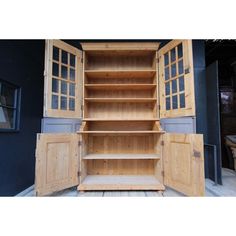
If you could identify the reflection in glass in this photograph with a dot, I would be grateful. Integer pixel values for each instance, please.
(54, 102)
(168, 103)
(63, 103)
(174, 102)
(55, 69)
(64, 72)
(182, 100)
(167, 88)
(174, 86)
(55, 85)
(71, 104)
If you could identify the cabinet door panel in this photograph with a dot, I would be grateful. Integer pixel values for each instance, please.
(62, 80)
(184, 163)
(57, 162)
(176, 79)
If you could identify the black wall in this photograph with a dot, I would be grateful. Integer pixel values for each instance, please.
(21, 63)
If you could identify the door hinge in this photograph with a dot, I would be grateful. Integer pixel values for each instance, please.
(196, 154)
(82, 107)
(187, 70)
(159, 107)
(162, 173)
(157, 59)
(162, 143)
(79, 173)
(82, 60)
(79, 143)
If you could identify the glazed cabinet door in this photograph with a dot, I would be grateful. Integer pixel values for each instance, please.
(176, 79)
(57, 162)
(62, 80)
(184, 163)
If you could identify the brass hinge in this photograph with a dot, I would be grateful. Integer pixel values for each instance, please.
(162, 143)
(79, 173)
(196, 154)
(159, 107)
(79, 143)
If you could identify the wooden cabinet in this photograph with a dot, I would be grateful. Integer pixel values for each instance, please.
(122, 89)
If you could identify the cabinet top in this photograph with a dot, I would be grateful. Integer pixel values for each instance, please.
(148, 46)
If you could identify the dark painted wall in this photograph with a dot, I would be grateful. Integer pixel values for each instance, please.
(21, 63)
(203, 122)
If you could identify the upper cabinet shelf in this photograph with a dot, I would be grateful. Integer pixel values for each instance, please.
(120, 60)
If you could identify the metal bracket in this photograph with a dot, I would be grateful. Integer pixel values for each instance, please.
(196, 154)
(187, 70)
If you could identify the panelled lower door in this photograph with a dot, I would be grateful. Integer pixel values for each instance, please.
(184, 163)
(57, 162)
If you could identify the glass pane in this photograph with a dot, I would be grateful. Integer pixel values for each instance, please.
(55, 69)
(72, 60)
(166, 59)
(54, 102)
(64, 72)
(72, 89)
(173, 70)
(173, 55)
(180, 50)
(55, 85)
(64, 57)
(181, 67)
(182, 100)
(72, 74)
(63, 103)
(174, 102)
(55, 53)
(63, 87)
(7, 97)
(168, 88)
(174, 86)
(6, 118)
(168, 103)
(72, 104)
(167, 74)
(181, 83)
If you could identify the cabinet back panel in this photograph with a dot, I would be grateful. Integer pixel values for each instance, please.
(146, 93)
(120, 126)
(121, 110)
(120, 60)
(120, 167)
(119, 144)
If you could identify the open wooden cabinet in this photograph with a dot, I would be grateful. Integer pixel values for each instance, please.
(120, 91)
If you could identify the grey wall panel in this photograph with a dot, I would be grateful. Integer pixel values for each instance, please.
(179, 125)
(60, 125)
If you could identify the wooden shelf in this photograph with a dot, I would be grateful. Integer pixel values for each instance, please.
(128, 156)
(120, 99)
(98, 74)
(120, 86)
(104, 119)
(120, 182)
(121, 132)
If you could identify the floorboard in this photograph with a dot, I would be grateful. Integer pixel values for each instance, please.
(227, 189)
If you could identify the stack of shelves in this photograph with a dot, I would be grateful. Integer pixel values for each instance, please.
(120, 132)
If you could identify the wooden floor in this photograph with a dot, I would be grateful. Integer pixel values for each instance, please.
(227, 189)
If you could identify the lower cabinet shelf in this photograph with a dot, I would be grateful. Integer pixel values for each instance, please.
(120, 182)
(128, 156)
